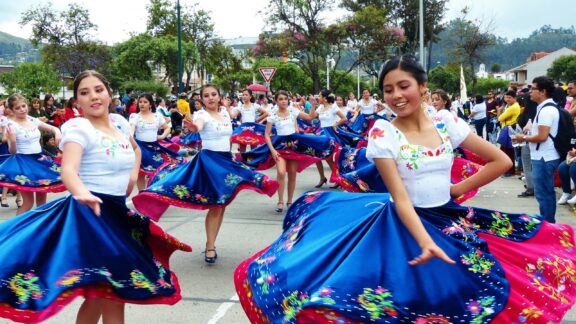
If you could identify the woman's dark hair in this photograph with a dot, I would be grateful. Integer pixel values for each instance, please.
(479, 99)
(70, 102)
(444, 96)
(209, 85)
(159, 100)
(87, 73)
(83, 75)
(281, 93)
(328, 95)
(406, 63)
(511, 93)
(150, 100)
(252, 100)
(46, 98)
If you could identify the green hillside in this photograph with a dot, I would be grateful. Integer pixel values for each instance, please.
(15, 50)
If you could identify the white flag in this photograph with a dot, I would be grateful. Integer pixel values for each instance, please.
(463, 91)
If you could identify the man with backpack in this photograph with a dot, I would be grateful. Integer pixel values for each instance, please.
(544, 142)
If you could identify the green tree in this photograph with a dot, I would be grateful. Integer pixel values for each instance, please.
(197, 32)
(496, 68)
(563, 68)
(446, 78)
(227, 68)
(485, 85)
(140, 86)
(66, 38)
(288, 76)
(31, 79)
(309, 42)
(403, 14)
(471, 39)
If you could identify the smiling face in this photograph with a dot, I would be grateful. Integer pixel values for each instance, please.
(438, 102)
(93, 97)
(402, 92)
(246, 96)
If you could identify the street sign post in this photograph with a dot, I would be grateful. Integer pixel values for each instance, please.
(267, 73)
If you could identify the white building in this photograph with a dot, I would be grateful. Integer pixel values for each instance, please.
(537, 64)
(482, 74)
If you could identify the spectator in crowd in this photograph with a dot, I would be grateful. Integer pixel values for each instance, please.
(543, 154)
(129, 94)
(49, 107)
(38, 111)
(478, 115)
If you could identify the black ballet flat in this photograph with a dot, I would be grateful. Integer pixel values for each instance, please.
(208, 259)
(4, 203)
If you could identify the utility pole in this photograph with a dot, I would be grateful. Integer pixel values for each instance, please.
(180, 87)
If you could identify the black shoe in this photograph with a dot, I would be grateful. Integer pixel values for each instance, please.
(526, 194)
(321, 183)
(279, 207)
(335, 186)
(4, 203)
(208, 259)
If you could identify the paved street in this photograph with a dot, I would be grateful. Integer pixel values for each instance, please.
(250, 224)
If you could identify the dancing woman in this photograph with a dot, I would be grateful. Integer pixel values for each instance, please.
(290, 151)
(145, 125)
(210, 180)
(27, 170)
(88, 244)
(249, 132)
(423, 258)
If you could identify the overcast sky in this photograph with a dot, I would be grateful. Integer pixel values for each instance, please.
(116, 19)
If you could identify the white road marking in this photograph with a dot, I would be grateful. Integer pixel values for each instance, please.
(222, 309)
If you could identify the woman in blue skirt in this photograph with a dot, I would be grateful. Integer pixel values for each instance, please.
(413, 255)
(210, 180)
(88, 244)
(145, 125)
(28, 170)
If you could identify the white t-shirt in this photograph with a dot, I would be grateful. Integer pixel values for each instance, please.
(146, 131)
(215, 134)
(327, 116)
(367, 108)
(480, 110)
(27, 139)
(106, 161)
(547, 116)
(284, 125)
(351, 105)
(425, 171)
(248, 113)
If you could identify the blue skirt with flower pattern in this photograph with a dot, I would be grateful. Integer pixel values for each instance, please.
(345, 256)
(62, 250)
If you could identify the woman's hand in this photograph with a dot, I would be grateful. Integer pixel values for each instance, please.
(335, 128)
(275, 155)
(57, 136)
(429, 251)
(455, 191)
(90, 201)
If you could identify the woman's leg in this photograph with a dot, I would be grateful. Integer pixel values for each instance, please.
(5, 197)
(323, 179)
(40, 198)
(292, 167)
(280, 177)
(213, 222)
(89, 312)
(112, 312)
(564, 174)
(141, 182)
(27, 202)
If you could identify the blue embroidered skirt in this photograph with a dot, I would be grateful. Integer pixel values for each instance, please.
(210, 179)
(343, 258)
(31, 172)
(61, 250)
(153, 156)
